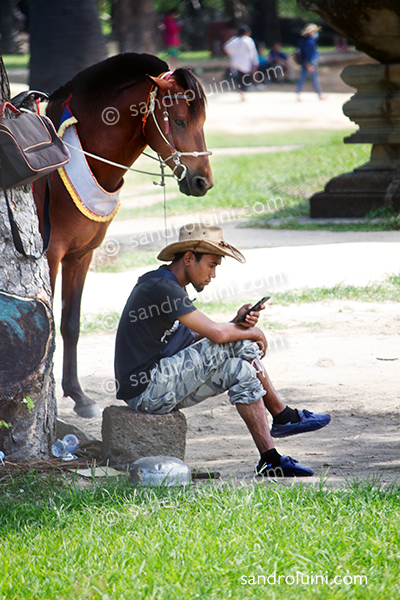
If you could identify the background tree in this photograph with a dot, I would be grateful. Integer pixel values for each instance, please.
(65, 38)
(265, 22)
(27, 390)
(8, 27)
(135, 25)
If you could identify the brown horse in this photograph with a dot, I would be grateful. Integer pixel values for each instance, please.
(174, 131)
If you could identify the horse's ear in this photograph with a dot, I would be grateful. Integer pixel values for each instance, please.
(164, 85)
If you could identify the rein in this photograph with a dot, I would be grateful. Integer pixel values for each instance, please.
(114, 164)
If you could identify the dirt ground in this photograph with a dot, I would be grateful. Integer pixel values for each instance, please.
(339, 357)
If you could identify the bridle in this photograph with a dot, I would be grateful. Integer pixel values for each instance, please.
(175, 155)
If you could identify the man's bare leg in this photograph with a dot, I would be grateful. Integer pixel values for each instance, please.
(271, 400)
(255, 417)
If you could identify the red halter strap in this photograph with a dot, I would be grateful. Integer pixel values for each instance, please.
(67, 102)
(165, 76)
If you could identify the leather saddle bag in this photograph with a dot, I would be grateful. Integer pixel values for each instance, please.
(29, 149)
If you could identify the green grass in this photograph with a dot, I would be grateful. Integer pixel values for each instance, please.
(111, 541)
(264, 182)
(16, 61)
(269, 186)
(124, 261)
(306, 137)
(21, 61)
(102, 322)
(387, 291)
(378, 219)
(188, 56)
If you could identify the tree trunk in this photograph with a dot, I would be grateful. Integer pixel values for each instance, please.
(135, 25)
(237, 11)
(8, 30)
(65, 38)
(265, 22)
(27, 390)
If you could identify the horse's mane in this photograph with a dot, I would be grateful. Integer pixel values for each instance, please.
(190, 83)
(112, 72)
(127, 68)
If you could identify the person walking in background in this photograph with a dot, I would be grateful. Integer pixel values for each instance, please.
(171, 28)
(243, 55)
(308, 51)
(277, 58)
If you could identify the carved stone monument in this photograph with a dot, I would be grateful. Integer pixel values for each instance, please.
(374, 27)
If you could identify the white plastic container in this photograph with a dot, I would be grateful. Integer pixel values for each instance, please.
(163, 471)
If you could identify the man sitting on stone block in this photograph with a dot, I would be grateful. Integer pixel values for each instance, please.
(170, 355)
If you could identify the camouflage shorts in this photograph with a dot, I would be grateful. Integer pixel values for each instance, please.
(202, 370)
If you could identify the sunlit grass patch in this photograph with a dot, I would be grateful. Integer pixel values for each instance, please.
(111, 540)
(16, 61)
(283, 180)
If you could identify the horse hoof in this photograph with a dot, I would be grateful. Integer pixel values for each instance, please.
(87, 411)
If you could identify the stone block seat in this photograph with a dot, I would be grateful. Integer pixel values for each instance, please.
(129, 435)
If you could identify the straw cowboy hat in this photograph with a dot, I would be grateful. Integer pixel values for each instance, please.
(198, 237)
(310, 28)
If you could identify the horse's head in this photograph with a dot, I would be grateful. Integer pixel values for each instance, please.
(174, 129)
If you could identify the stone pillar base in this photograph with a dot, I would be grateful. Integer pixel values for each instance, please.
(355, 194)
(375, 108)
(129, 435)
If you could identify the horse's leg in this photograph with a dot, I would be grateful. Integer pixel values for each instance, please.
(74, 272)
(54, 260)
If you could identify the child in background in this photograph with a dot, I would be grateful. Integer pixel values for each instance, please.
(171, 28)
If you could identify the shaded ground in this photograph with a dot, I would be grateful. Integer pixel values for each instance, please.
(324, 357)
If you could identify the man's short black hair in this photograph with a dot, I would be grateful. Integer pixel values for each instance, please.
(243, 30)
(197, 255)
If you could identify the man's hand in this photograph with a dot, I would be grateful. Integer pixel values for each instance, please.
(309, 67)
(251, 319)
(260, 339)
(221, 333)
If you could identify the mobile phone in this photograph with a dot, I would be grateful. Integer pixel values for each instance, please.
(255, 307)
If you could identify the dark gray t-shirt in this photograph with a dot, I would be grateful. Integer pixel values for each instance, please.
(148, 316)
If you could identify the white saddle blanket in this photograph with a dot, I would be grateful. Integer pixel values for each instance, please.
(91, 199)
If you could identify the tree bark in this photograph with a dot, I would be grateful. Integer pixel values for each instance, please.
(27, 405)
(237, 11)
(65, 38)
(265, 22)
(135, 25)
(8, 30)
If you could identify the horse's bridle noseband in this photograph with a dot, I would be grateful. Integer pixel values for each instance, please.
(175, 154)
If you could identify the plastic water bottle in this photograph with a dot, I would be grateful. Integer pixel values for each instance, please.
(66, 447)
(71, 441)
(59, 449)
(2, 457)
